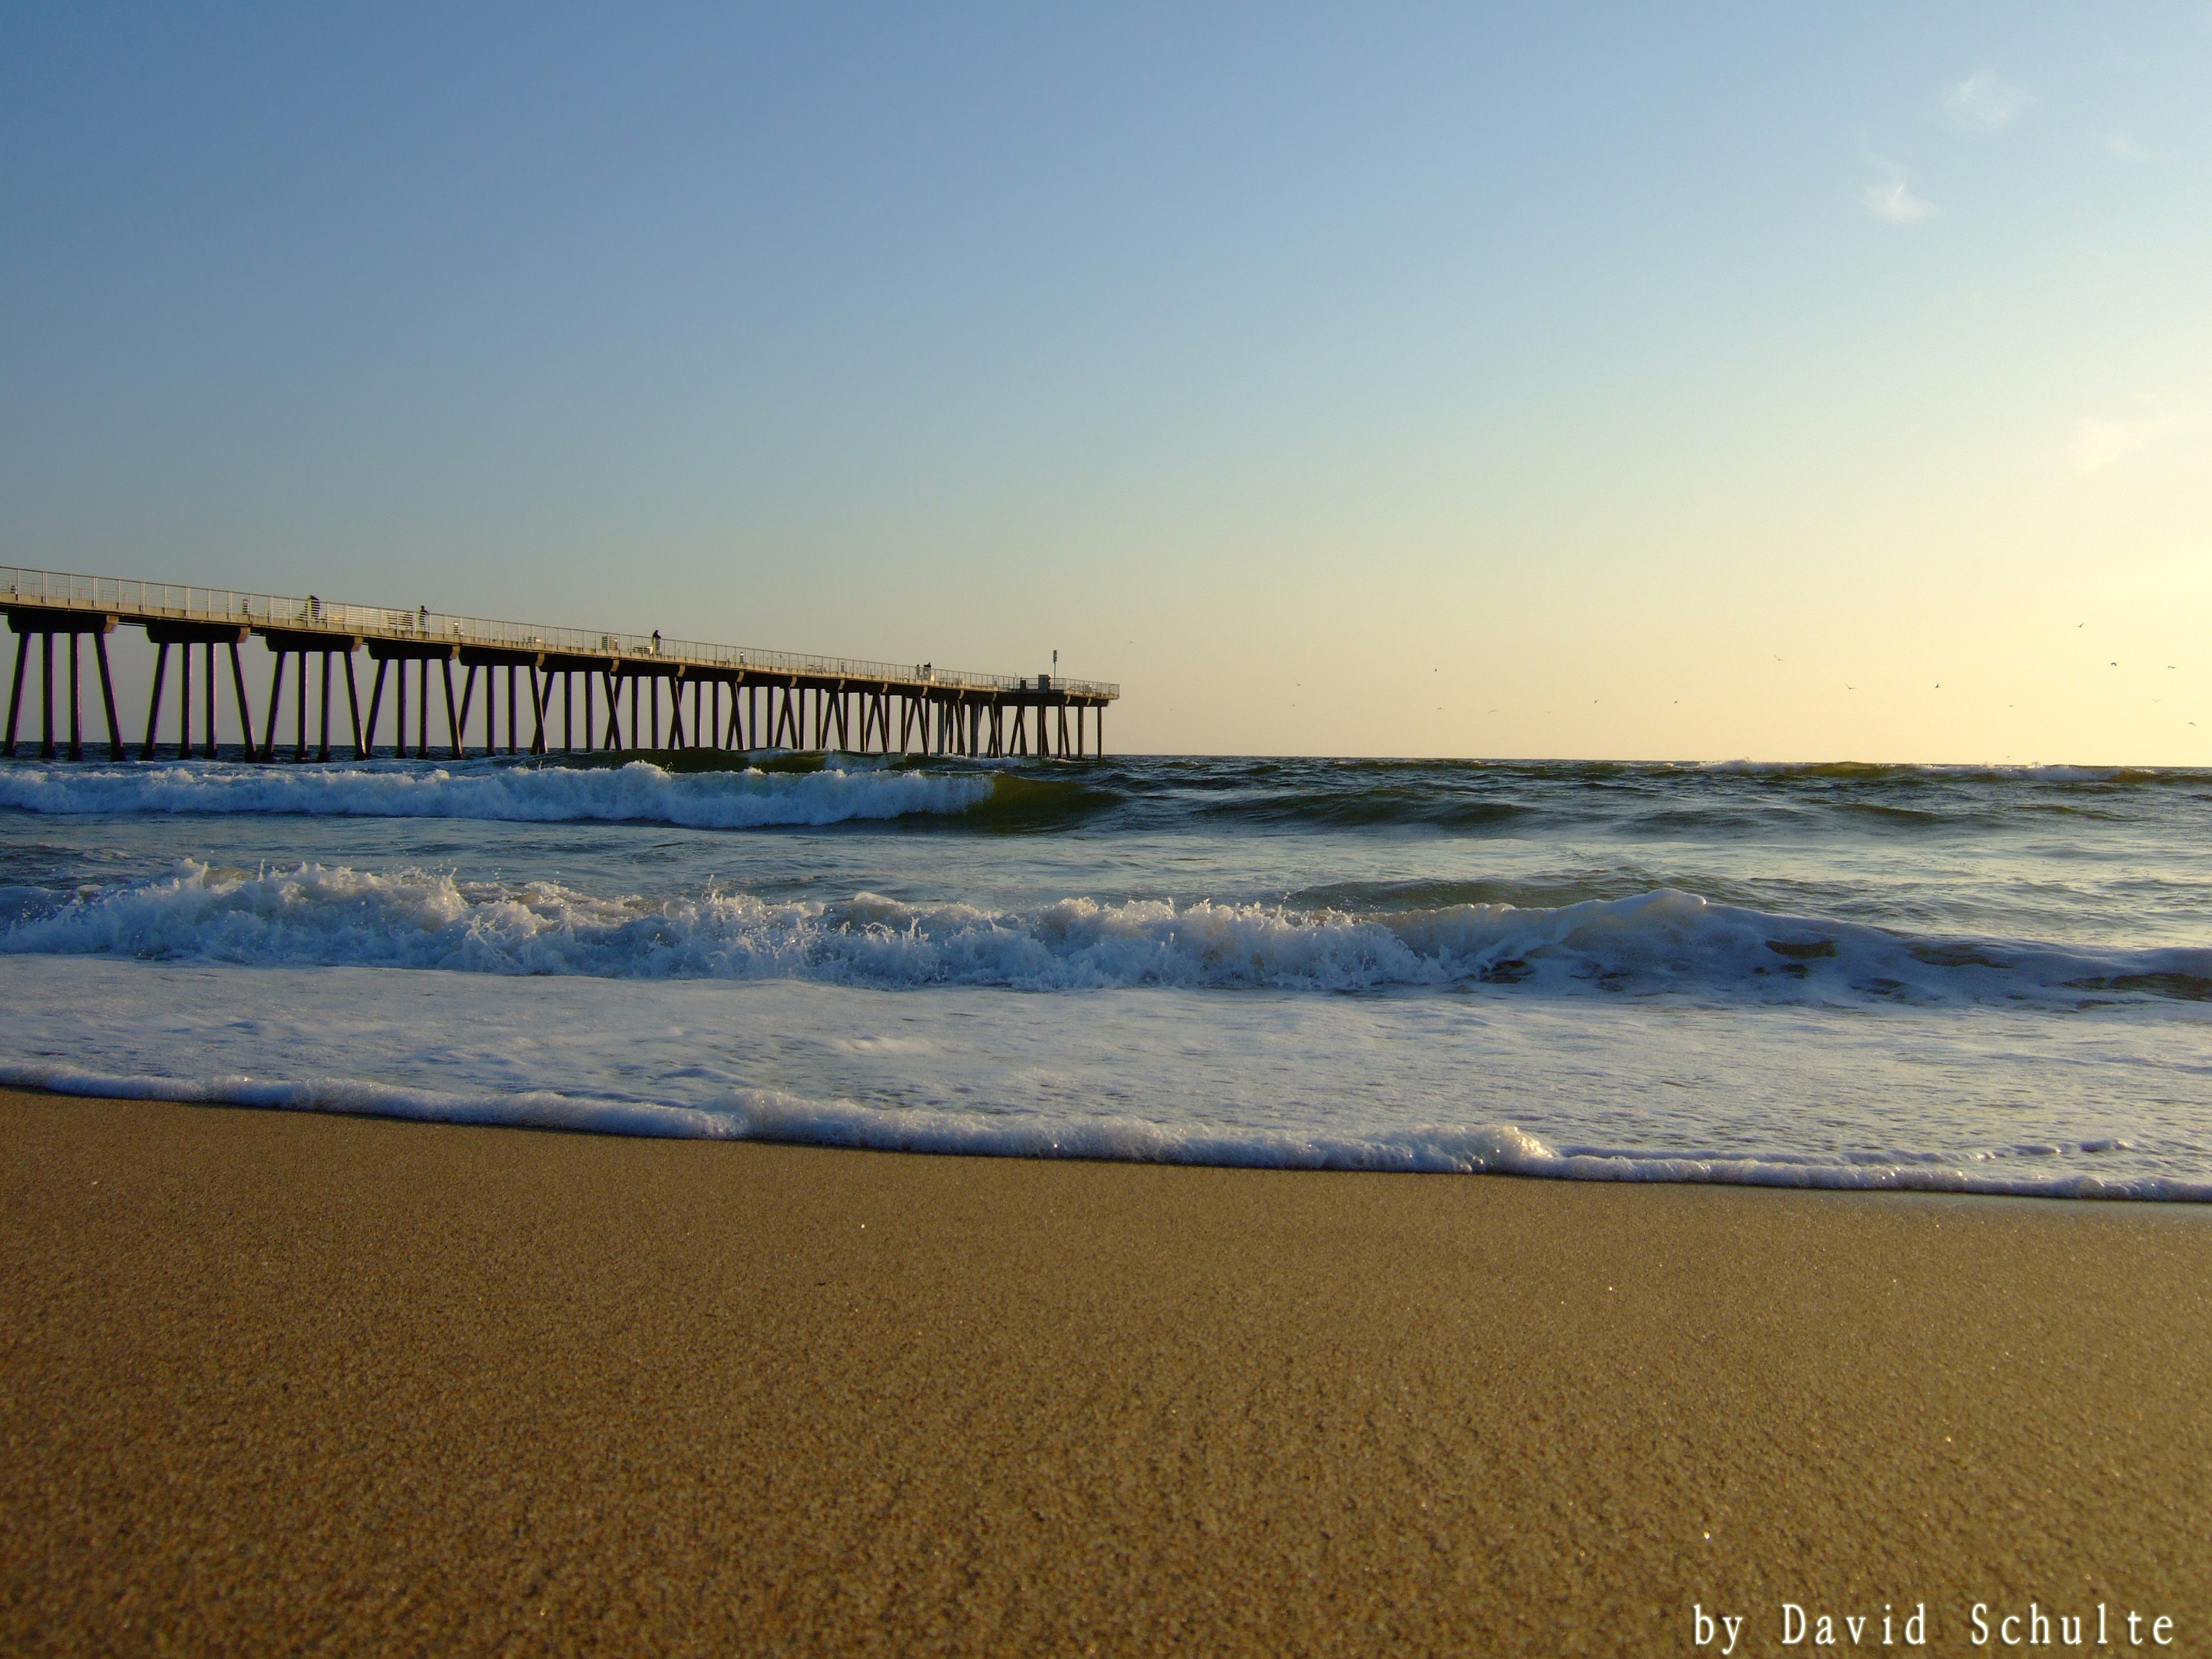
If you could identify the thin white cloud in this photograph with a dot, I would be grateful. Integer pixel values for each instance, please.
(1983, 103)
(1895, 201)
(2127, 149)
(2099, 442)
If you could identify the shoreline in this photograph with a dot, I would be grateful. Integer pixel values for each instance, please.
(294, 1379)
(1497, 1149)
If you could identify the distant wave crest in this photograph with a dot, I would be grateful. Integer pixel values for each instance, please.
(639, 791)
(710, 790)
(1897, 771)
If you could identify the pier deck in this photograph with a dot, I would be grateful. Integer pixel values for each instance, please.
(740, 697)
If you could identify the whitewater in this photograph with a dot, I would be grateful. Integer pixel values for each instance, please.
(1964, 979)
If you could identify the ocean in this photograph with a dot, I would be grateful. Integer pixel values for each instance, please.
(1989, 980)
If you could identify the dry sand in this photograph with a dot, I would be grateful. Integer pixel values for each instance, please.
(283, 1382)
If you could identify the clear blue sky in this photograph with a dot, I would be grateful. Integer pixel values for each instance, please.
(1664, 381)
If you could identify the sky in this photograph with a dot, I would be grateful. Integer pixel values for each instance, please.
(1683, 383)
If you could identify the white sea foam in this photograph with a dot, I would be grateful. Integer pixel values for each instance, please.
(770, 1116)
(639, 791)
(1662, 942)
(2111, 1102)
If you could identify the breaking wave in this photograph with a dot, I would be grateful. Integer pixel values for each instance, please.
(1663, 942)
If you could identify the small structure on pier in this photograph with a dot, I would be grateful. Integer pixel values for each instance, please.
(740, 698)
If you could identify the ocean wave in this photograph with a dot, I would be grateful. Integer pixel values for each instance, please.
(1938, 772)
(1377, 806)
(1431, 1149)
(639, 791)
(710, 789)
(1663, 942)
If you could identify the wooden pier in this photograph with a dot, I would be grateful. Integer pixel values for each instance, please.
(740, 699)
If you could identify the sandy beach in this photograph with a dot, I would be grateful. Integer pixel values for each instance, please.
(288, 1382)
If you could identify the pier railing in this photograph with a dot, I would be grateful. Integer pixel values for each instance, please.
(138, 601)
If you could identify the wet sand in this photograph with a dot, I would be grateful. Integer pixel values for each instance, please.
(281, 1382)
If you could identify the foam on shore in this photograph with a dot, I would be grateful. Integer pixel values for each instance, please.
(770, 1116)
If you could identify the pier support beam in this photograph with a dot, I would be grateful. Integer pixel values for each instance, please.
(400, 654)
(375, 702)
(107, 698)
(277, 699)
(245, 708)
(15, 695)
(468, 698)
(186, 635)
(153, 707)
(353, 702)
(77, 721)
(46, 621)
